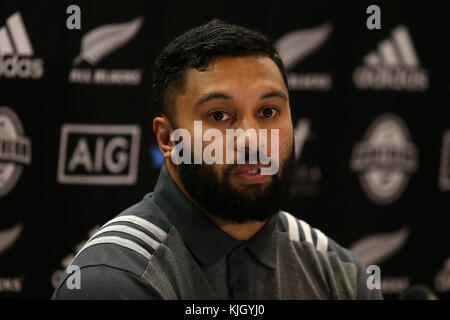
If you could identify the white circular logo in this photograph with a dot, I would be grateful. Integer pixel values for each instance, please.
(15, 150)
(385, 159)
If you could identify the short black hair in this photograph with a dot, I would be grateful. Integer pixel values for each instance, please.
(195, 49)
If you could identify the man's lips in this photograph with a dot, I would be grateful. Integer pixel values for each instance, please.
(251, 173)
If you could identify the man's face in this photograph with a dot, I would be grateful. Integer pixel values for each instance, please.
(237, 93)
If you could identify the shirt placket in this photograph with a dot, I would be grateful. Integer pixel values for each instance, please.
(238, 273)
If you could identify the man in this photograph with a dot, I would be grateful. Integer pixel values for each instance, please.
(215, 230)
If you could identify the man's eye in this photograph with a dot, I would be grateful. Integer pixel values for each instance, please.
(268, 113)
(219, 116)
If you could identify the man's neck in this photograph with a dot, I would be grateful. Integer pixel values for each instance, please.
(238, 231)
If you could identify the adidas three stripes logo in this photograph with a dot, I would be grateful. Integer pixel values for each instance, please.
(14, 38)
(116, 225)
(299, 231)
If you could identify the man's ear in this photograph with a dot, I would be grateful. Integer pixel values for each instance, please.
(163, 129)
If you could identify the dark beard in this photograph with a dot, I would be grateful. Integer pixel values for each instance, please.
(251, 202)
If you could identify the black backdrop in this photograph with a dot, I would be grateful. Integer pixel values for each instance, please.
(369, 109)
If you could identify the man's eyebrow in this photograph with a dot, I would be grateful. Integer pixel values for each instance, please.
(220, 95)
(274, 94)
(210, 96)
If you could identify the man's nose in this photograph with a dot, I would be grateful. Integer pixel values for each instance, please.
(248, 122)
(250, 126)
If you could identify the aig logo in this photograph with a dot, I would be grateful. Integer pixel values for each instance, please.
(98, 154)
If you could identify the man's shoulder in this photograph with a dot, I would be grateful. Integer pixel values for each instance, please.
(132, 236)
(302, 232)
(122, 248)
(334, 261)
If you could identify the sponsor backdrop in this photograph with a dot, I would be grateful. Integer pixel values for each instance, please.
(372, 130)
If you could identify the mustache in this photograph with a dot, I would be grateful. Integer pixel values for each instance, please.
(288, 161)
(248, 153)
(247, 157)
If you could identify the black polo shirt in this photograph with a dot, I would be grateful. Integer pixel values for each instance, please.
(165, 248)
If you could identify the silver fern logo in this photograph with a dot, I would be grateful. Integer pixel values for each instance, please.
(374, 249)
(296, 46)
(99, 43)
(9, 236)
(377, 248)
(308, 175)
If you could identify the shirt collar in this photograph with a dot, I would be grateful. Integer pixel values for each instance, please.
(264, 243)
(202, 236)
